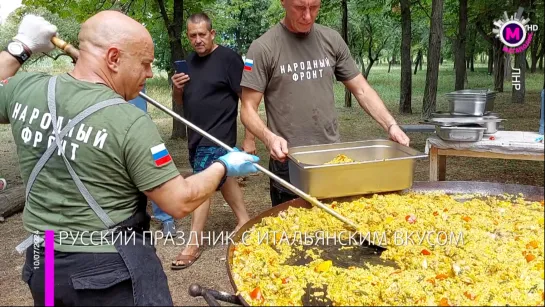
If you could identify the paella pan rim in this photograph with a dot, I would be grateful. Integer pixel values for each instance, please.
(533, 193)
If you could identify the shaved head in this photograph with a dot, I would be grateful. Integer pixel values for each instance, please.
(112, 28)
(118, 50)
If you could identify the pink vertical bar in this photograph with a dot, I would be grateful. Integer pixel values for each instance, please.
(49, 268)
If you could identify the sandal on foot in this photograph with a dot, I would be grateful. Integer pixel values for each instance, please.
(187, 261)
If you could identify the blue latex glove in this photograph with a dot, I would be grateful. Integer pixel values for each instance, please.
(239, 163)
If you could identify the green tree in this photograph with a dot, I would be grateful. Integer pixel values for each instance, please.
(238, 23)
(68, 26)
(434, 52)
(405, 99)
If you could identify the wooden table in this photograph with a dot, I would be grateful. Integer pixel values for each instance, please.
(514, 145)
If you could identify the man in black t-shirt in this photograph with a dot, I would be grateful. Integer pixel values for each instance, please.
(210, 95)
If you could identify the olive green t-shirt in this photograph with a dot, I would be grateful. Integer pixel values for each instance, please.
(110, 151)
(295, 73)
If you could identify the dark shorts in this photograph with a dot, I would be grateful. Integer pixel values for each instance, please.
(81, 279)
(279, 194)
(202, 157)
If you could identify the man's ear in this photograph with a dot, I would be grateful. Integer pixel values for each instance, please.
(113, 56)
(213, 33)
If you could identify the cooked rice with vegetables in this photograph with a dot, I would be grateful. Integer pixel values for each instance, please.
(500, 260)
(339, 159)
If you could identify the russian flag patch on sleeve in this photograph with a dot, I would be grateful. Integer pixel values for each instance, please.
(248, 64)
(160, 155)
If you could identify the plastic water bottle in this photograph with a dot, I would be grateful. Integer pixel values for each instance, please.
(542, 111)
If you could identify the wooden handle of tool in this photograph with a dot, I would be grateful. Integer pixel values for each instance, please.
(66, 47)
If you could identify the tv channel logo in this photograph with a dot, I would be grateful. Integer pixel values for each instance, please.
(515, 33)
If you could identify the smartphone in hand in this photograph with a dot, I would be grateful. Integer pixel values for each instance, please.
(181, 66)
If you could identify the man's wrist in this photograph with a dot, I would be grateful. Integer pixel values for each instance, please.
(177, 89)
(268, 136)
(223, 165)
(249, 137)
(18, 50)
(27, 49)
(390, 126)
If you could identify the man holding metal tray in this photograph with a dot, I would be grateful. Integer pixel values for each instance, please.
(292, 67)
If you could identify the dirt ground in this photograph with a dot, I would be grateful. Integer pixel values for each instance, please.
(210, 271)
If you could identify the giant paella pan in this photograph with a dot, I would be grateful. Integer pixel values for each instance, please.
(439, 243)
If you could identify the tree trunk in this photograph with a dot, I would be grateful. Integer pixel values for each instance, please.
(490, 61)
(418, 61)
(12, 201)
(472, 41)
(461, 62)
(499, 64)
(368, 69)
(507, 66)
(238, 36)
(535, 44)
(344, 4)
(434, 53)
(541, 61)
(174, 29)
(519, 86)
(534, 55)
(406, 76)
(393, 60)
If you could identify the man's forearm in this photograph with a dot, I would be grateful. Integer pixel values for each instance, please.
(248, 135)
(376, 108)
(201, 186)
(253, 123)
(8, 65)
(177, 95)
(181, 196)
(370, 101)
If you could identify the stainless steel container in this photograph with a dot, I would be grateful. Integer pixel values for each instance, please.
(381, 166)
(473, 107)
(460, 134)
(471, 102)
(491, 126)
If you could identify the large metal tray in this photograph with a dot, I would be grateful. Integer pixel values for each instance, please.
(381, 166)
(460, 134)
(455, 121)
(448, 114)
(490, 121)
